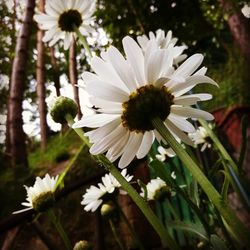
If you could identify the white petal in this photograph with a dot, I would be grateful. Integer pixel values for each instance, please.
(95, 121)
(105, 143)
(147, 141)
(181, 88)
(191, 112)
(122, 68)
(179, 133)
(191, 99)
(130, 149)
(189, 66)
(103, 131)
(106, 72)
(181, 123)
(118, 148)
(106, 91)
(135, 57)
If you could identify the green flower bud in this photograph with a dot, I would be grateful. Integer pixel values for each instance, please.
(108, 210)
(43, 202)
(83, 245)
(61, 107)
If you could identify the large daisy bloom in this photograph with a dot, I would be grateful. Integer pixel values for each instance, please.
(129, 92)
(200, 136)
(61, 17)
(95, 195)
(40, 196)
(157, 189)
(164, 41)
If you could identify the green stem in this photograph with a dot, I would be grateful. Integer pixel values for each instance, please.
(166, 239)
(226, 212)
(219, 146)
(79, 131)
(83, 41)
(60, 229)
(112, 226)
(131, 229)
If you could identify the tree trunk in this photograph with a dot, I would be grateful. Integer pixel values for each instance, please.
(239, 27)
(56, 73)
(40, 78)
(18, 77)
(73, 75)
(13, 41)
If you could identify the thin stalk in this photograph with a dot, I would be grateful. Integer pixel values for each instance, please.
(113, 229)
(131, 229)
(83, 41)
(219, 146)
(79, 131)
(166, 239)
(237, 227)
(60, 229)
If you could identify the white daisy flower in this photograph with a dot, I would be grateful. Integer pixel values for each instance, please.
(164, 152)
(164, 42)
(95, 196)
(61, 17)
(246, 10)
(200, 136)
(40, 196)
(157, 189)
(131, 92)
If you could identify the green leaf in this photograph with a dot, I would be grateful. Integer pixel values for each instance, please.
(238, 187)
(193, 228)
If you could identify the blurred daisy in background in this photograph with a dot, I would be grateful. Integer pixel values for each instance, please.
(200, 136)
(164, 41)
(62, 17)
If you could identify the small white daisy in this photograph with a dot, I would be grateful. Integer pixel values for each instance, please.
(164, 42)
(61, 17)
(164, 152)
(157, 189)
(95, 196)
(40, 196)
(200, 136)
(246, 10)
(130, 92)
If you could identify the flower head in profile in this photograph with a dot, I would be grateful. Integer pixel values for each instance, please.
(129, 92)
(164, 42)
(157, 189)
(41, 195)
(104, 191)
(62, 17)
(200, 136)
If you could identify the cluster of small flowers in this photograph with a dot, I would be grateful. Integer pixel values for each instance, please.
(44, 188)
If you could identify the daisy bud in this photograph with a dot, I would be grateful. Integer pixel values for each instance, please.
(83, 245)
(61, 107)
(108, 210)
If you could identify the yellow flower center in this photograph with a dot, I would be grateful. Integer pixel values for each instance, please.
(70, 19)
(144, 104)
